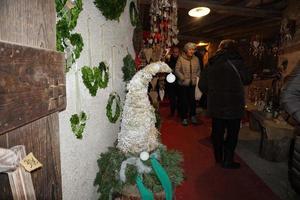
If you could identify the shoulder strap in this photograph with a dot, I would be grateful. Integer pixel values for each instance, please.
(235, 69)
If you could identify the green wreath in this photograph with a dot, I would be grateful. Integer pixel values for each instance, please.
(113, 117)
(66, 23)
(111, 9)
(134, 18)
(78, 124)
(90, 77)
(96, 77)
(129, 68)
(104, 75)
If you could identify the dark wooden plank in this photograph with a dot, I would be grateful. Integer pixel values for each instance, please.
(28, 22)
(291, 48)
(41, 138)
(32, 23)
(258, 27)
(3, 141)
(53, 160)
(5, 191)
(32, 84)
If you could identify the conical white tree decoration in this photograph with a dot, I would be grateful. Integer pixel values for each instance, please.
(138, 131)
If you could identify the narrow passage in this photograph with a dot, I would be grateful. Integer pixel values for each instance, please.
(204, 179)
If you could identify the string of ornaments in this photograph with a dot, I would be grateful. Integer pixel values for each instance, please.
(163, 16)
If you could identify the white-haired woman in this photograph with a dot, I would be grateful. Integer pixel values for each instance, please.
(187, 70)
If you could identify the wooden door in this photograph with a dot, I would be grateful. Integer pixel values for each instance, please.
(32, 90)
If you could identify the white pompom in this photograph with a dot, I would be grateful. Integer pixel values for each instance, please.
(171, 78)
(144, 156)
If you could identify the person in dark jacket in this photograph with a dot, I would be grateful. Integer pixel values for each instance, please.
(223, 81)
(290, 101)
(290, 98)
(172, 88)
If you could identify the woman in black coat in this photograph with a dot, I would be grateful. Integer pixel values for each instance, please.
(290, 101)
(223, 81)
(290, 98)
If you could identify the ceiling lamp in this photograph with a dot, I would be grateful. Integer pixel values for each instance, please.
(199, 12)
(201, 44)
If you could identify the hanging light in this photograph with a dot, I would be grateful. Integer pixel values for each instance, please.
(201, 44)
(199, 12)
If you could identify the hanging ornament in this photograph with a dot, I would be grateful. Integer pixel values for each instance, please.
(171, 78)
(144, 156)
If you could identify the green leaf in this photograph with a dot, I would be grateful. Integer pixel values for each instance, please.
(75, 14)
(66, 23)
(77, 41)
(78, 124)
(128, 69)
(90, 80)
(74, 119)
(111, 9)
(103, 76)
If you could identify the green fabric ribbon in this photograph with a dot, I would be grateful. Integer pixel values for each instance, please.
(144, 192)
(163, 178)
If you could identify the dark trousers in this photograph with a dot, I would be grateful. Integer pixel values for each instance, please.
(187, 103)
(224, 146)
(172, 94)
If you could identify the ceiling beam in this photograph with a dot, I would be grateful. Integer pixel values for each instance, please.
(196, 39)
(201, 24)
(223, 24)
(226, 9)
(258, 27)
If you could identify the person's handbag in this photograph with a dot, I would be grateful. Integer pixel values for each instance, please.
(198, 93)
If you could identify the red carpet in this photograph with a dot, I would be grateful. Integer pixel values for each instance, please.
(204, 179)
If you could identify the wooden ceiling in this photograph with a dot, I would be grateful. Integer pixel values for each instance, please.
(236, 19)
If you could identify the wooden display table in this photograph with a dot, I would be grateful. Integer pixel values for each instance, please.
(276, 136)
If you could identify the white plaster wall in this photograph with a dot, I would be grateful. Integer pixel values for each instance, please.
(103, 41)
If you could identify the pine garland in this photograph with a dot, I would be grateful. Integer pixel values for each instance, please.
(67, 21)
(78, 124)
(129, 68)
(111, 9)
(113, 97)
(109, 163)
